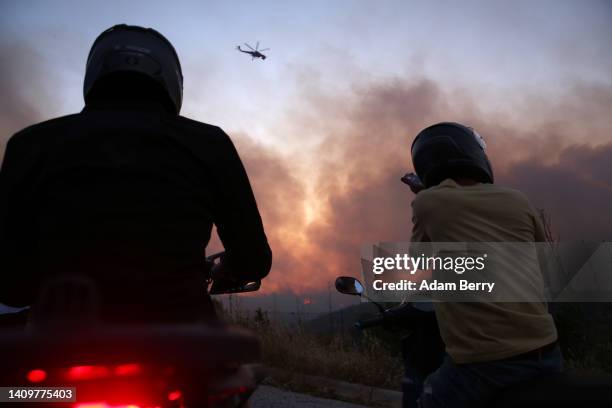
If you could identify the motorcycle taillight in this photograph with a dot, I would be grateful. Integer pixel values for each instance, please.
(93, 372)
(87, 372)
(126, 385)
(105, 405)
(175, 395)
(36, 376)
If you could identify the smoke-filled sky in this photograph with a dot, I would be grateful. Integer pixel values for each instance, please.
(324, 125)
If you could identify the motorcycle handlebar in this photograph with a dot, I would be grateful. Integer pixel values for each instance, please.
(219, 284)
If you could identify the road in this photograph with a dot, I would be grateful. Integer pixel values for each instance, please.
(270, 397)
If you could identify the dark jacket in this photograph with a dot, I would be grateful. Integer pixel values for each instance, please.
(129, 198)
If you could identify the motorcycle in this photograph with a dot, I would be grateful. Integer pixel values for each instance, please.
(423, 351)
(67, 358)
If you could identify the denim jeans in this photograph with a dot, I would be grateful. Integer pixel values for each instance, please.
(475, 384)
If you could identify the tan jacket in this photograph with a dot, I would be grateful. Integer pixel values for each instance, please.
(485, 331)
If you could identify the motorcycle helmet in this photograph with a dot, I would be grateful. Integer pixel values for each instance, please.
(448, 150)
(135, 50)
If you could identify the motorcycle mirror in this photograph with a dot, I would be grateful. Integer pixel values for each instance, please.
(247, 287)
(251, 287)
(349, 286)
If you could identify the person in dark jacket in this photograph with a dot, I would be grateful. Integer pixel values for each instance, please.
(127, 191)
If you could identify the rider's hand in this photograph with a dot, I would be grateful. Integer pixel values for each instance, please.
(222, 280)
(414, 182)
(220, 286)
(219, 283)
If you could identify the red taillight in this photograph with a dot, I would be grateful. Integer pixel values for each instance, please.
(174, 395)
(128, 369)
(94, 372)
(103, 405)
(36, 376)
(89, 372)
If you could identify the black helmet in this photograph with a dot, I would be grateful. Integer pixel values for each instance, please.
(447, 150)
(138, 50)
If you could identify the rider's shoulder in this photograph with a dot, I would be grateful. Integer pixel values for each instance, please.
(515, 198)
(449, 189)
(201, 135)
(200, 127)
(42, 129)
(435, 192)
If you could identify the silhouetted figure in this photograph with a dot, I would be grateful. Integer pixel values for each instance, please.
(127, 192)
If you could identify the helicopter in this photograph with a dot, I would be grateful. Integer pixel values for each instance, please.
(255, 53)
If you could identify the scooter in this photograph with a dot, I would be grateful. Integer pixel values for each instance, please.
(423, 351)
(67, 358)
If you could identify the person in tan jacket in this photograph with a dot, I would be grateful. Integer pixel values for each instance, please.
(489, 345)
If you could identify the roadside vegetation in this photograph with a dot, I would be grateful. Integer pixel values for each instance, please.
(374, 357)
(585, 335)
(292, 349)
